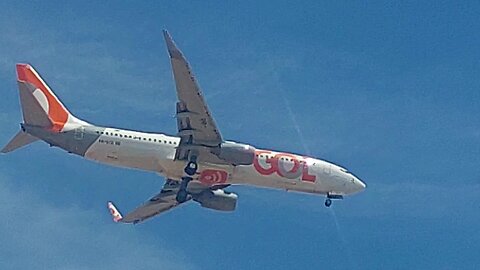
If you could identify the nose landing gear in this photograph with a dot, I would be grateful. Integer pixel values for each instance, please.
(328, 202)
(330, 197)
(190, 170)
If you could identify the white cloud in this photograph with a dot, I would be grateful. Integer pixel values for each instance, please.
(37, 235)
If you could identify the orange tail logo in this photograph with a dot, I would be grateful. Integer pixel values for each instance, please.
(57, 113)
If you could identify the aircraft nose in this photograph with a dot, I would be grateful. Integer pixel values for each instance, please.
(352, 183)
(359, 185)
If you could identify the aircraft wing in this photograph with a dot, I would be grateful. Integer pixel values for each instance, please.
(196, 126)
(158, 204)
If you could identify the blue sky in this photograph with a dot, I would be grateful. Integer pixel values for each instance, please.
(389, 90)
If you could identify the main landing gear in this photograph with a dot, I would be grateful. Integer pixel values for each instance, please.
(190, 170)
(330, 197)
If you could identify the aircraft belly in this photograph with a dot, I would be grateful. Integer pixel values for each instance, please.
(130, 154)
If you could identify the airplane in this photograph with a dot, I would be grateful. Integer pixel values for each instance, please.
(197, 163)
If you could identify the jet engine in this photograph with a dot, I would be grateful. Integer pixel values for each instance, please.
(218, 199)
(236, 153)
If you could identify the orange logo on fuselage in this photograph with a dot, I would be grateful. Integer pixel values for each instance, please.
(213, 177)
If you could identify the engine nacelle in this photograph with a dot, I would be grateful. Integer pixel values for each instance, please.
(217, 199)
(236, 153)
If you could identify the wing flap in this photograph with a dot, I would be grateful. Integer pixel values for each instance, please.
(156, 205)
(162, 202)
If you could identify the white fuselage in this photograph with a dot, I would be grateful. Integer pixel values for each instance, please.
(156, 153)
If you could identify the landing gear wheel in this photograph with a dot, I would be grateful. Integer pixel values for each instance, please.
(182, 191)
(181, 196)
(328, 202)
(191, 168)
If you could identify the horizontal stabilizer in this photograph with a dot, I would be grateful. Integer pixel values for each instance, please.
(21, 139)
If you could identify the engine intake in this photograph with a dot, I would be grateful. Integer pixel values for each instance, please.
(219, 199)
(236, 153)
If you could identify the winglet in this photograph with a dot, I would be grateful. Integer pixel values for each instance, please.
(117, 217)
(172, 48)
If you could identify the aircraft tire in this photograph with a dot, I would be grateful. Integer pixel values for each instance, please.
(181, 196)
(328, 202)
(191, 168)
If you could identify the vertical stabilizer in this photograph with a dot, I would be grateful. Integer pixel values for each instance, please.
(40, 106)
